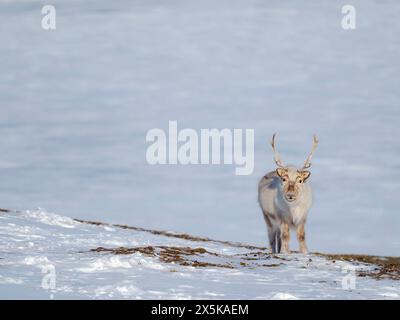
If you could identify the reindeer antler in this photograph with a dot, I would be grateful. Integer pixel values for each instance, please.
(307, 164)
(277, 157)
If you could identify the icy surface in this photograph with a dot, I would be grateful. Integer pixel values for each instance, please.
(35, 242)
(76, 103)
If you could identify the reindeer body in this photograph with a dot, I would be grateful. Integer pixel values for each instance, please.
(281, 215)
(285, 197)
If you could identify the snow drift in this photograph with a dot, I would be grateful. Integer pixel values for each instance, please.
(48, 256)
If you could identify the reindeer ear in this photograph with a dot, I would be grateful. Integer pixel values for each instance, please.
(305, 174)
(280, 172)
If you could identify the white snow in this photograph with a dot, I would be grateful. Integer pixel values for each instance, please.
(33, 243)
(283, 296)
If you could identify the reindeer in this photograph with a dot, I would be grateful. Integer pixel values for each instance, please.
(285, 198)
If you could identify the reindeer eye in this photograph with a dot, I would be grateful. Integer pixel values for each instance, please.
(300, 181)
(284, 179)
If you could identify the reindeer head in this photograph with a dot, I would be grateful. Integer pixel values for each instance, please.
(292, 178)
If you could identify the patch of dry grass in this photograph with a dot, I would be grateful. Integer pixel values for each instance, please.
(184, 236)
(386, 267)
(184, 256)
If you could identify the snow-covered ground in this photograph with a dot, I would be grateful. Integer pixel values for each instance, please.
(76, 103)
(39, 247)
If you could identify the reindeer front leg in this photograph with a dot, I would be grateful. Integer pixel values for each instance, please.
(285, 237)
(301, 237)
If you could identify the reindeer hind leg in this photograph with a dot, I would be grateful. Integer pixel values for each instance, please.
(278, 240)
(272, 239)
(272, 232)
